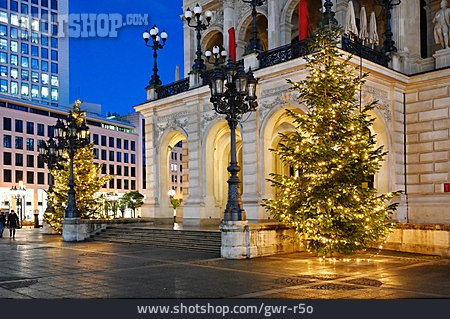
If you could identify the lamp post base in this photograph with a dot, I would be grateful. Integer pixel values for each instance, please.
(73, 230)
(235, 239)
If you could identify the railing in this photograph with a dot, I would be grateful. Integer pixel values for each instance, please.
(282, 54)
(279, 55)
(357, 48)
(173, 88)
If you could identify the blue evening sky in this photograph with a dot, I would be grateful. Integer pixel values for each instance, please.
(114, 71)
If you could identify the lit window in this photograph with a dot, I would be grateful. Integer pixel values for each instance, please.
(15, 19)
(34, 91)
(25, 91)
(25, 75)
(55, 80)
(45, 78)
(3, 44)
(14, 60)
(3, 30)
(55, 96)
(3, 17)
(14, 87)
(44, 92)
(3, 70)
(24, 22)
(14, 46)
(35, 77)
(34, 25)
(34, 37)
(14, 73)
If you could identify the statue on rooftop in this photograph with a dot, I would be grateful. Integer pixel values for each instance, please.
(442, 25)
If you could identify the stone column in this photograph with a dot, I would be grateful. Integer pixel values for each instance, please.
(228, 21)
(341, 11)
(407, 37)
(273, 24)
(251, 194)
(151, 204)
(194, 208)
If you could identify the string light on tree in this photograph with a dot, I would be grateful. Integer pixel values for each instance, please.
(334, 156)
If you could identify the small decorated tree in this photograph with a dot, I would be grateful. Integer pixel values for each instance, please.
(87, 182)
(333, 155)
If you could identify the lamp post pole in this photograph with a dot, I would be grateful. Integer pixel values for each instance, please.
(233, 93)
(71, 136)
(158, 43)
(254, 45)
(199, 26)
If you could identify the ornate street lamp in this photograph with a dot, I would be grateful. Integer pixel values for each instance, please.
(199, 26)
(233, 93)
(328, 15)
(51, 155)
(71, 137)
(19, 194)
(254, 45)
(388, 44)
(158, 42)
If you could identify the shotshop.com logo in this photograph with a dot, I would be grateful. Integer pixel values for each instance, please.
(77, 25)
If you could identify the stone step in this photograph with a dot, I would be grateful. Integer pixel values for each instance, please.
(206, 248)
(164, 235)
(208, 241)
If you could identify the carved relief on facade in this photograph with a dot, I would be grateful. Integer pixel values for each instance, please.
(217, 18)
(279, 96)
(207, 118)
(371, 94)
(175, 121)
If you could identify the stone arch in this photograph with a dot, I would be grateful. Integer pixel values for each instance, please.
(245, 27)
(217, 157)
(383, 181)
(167, 141)
(276, 122)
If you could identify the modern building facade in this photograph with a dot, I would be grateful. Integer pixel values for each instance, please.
(117, 146)
(34, 61)
(411, 83)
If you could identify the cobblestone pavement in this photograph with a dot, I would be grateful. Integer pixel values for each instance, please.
(42, 266)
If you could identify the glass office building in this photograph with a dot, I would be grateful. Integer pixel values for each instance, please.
(34, 61)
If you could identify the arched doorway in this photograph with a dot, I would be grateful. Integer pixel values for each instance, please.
(174, 174)
(217, 159)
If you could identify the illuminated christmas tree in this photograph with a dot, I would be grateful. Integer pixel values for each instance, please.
(332, 156)
(87, 182)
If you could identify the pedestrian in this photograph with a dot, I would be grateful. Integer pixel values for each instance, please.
(2, 223)
(13, 223)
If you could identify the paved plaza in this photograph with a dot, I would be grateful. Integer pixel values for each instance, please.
(42, 266)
